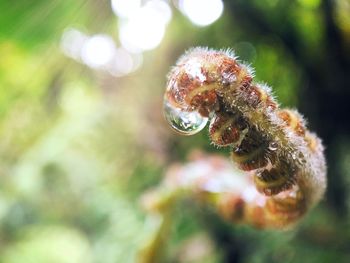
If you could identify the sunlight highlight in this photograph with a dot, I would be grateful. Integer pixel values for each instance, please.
(125, 8)
(202, 13)
(98, 50)
(72, 42)
(145, 29)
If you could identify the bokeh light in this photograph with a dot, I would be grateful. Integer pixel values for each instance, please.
(138, 34)
(145, 29)
(125, 8)
(160, 9)
(202, 13)
(98, 50)
(72, 42)
(122, 63)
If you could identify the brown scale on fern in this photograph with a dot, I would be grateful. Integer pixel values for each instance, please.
(278, 178)
(293, 121)
(283, 162)
(227, 129)
(252, 153)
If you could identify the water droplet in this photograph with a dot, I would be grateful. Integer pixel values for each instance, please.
(178, 93)
(182, 121)
(273, 146)
(270, 108)
(228, 78)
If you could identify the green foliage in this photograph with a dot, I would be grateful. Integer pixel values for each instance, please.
(78, 147)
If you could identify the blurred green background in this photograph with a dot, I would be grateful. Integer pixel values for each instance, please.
(82, 134)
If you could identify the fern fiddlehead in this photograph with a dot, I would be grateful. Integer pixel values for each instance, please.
(285, 161)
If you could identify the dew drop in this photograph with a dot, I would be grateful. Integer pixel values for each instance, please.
(228, 78)
(273, 146)
(182, 121)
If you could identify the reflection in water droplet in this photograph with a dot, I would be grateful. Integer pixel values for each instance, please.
(273, 146)
(184, 122)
